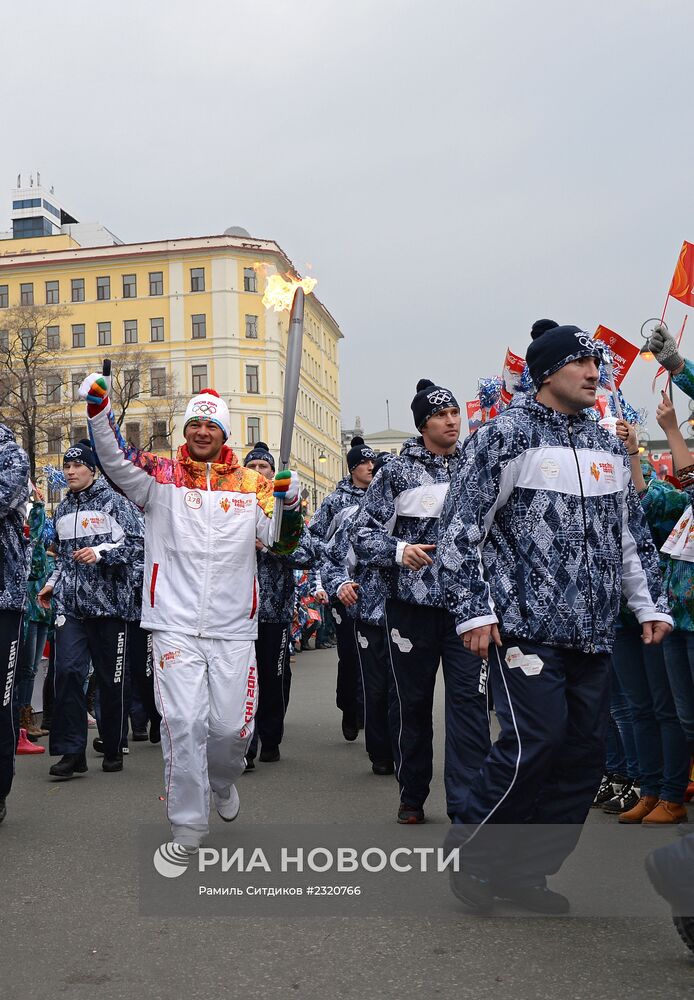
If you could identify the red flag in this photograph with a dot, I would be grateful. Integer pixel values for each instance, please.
(682, 284)
(661, 462)
(601, 406)
(513, 368)
(624, 354)
(476, 416)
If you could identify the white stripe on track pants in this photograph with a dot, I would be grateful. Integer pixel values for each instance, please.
(206, 692)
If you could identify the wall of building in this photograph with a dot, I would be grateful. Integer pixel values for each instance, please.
(225, 350)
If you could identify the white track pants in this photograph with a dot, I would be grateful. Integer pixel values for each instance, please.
(206, 692)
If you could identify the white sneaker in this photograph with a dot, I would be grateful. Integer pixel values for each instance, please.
(228, 809)
(187, 848)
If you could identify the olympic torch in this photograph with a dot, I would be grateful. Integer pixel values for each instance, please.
(292, 374)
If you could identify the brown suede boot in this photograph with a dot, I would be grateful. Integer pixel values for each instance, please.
(39, 730)
(643, 807)
(666, 812)
(26, 721)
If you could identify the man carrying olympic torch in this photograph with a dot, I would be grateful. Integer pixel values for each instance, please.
(203, 514)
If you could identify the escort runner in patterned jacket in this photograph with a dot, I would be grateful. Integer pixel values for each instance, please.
(277, 587)
(541, 530)
(337, 508)
(404, 508)
(104, 520)
(203, 514)
(396, 531)
(14, 566)
(339, 569)
(342, 503)
(98, 540)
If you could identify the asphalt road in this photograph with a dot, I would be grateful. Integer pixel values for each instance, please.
(71, 923)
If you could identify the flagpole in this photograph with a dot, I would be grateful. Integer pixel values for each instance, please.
(662, 320)
(667, 299)
(609, 368)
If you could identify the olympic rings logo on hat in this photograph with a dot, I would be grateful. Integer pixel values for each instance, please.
(586, 341)
(203, 406)
(73, 453)
(439, 396)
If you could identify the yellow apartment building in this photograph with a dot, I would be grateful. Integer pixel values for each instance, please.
(176, 316)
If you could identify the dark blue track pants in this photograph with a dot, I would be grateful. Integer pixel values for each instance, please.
(419, 638)
(77, 641)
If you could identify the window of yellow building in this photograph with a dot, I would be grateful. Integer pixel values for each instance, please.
(252, 430)
(199, 321)
(252, 379)
(198, 377)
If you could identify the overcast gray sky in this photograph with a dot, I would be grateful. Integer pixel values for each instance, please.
(452, 170)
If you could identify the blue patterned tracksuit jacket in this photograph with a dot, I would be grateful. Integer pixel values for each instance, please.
(276, 581)
(342, 503)
(543, 528)
(102, 519)
(402, 507)
(340, 565)
(14, 549)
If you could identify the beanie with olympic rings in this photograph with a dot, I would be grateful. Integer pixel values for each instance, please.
(208, 405)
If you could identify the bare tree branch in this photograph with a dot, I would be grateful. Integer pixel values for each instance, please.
(32, 376)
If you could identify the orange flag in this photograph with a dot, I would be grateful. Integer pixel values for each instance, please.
(682, 284)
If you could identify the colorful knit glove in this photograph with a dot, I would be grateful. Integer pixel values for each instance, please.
(95, 389)
(286, 488)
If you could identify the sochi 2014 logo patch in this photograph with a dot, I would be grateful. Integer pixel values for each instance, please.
(193, 499)
(224, 504)
(169, 658)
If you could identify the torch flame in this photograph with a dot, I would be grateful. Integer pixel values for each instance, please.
(280, 288)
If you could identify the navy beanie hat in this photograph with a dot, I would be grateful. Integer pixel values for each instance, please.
(260, 453)
(359, 452)
(82, 453)
(554, 346)
(430, 399)
(382, 459)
